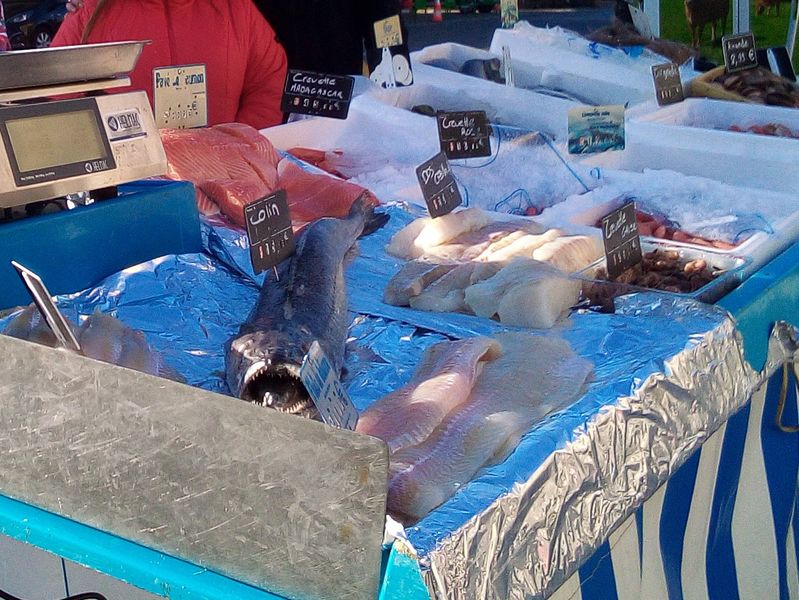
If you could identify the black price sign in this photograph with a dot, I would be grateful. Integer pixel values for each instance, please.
(622, 243)
(739, 52)
(269, 231)
(464, 134)
(438, 186)
(318, 94)
(668, 85)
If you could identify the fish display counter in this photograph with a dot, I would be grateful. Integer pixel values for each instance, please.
(521, 427)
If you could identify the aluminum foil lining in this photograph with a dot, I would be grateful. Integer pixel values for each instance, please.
(668, 371)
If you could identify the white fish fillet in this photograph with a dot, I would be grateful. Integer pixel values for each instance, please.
(442, 381)
(533, 377)
(571, 253)
(423, 236)
(401, 243)
(483, 297)
(538, 302)
(414, 277)
(446, 294)
(443, 229)
(522, 246)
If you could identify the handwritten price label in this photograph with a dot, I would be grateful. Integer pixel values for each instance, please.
(464, 134)
(438, 186)
(269, 231)
(388, 32)
(668, 85)
(621, 240)
(739, 52)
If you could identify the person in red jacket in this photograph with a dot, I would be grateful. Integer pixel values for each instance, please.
(245, 66)
(4, 43)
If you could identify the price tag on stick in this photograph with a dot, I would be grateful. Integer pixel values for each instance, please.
(439, 189)
(328, 395)
(44, 302)
(269, 231)
(388, 32)
(318, 94)
(668, 85)
(621, 240)
(739, 52)
(464, 134)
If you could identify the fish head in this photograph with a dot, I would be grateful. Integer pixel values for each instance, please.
(262, 369)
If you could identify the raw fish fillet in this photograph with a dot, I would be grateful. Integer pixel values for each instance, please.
(533, 377)
(233, 165)
(446, 293)
(524, 293)
(401, 243)
(104, 338)
(538, 301)
(442, 381)
(469, 228)
(414, 276)
(443, 229)
(311, 195)
(213, 157)
(30, 325)
(571, 253)
(524, 245)
(101, 337)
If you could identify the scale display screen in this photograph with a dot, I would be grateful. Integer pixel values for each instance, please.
(56, 140)
(53, 140)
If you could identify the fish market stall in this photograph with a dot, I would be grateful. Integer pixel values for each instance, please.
(525, 425)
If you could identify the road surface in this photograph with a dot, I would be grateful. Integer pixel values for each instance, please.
(477, 29)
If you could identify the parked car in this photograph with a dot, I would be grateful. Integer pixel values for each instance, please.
(33, 23)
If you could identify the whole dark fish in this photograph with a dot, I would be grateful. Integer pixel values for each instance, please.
(307, 302)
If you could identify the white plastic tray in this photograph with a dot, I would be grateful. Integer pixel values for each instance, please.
(683, 137)
(586, 209)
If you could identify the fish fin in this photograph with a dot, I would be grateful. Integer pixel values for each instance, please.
(373, 221)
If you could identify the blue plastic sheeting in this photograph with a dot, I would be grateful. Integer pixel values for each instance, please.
(768, 296)
(72, 250)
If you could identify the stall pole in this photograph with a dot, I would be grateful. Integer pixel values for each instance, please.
(740, 16)
(652, 10)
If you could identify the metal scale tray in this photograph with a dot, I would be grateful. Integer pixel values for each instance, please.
(54, 66)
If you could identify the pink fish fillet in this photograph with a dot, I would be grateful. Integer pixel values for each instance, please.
(231, 165)
(534, 376)
(443, 381)
(314, 195)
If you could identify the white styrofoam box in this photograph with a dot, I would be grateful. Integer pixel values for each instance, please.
(381, 146)
(28, 572)
(452, 57)
(597, 73)
(688, 200)
(512, 106)
(683, 137)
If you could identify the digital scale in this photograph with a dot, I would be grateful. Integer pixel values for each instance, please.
(53, 147)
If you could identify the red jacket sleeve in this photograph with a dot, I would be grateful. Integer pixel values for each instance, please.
(259, 105)
(71, 30)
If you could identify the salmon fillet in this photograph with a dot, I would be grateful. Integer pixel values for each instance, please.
(232, 165)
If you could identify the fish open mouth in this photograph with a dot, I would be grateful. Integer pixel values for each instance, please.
(277, 386)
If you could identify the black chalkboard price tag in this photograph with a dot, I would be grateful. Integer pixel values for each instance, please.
(269, 231)
(438, 186)
(739, 52)
(621, 239)
(464, 134)
(668, 85)
(317, 94)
